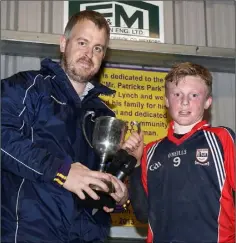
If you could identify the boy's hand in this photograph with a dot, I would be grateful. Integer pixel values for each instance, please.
(134, 146)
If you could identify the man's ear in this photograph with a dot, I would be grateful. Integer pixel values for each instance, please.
(105, 51)
(208, 103)
(62, 43)
(166, 102)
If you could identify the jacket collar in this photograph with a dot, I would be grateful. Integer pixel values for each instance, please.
(47, 65)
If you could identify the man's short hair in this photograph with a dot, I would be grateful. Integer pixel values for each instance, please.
(97, 18)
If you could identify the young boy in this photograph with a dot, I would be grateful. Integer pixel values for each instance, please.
(187, 177)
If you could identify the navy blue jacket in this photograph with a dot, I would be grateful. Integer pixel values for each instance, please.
(41, 131)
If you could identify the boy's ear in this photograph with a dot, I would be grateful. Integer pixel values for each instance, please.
(208, 103)
(62, 43)
(166, 102)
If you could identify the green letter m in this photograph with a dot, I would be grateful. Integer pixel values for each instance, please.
(120, 12)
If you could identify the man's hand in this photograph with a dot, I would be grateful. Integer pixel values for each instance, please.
(134, 146)
(80, 178)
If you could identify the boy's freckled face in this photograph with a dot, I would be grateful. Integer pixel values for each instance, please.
(187, 100)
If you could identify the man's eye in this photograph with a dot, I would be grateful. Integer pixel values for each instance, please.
(98, 49)
(194, 95)
(177, 94)
(82, 43)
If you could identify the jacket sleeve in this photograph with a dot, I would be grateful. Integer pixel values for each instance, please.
(19, 154)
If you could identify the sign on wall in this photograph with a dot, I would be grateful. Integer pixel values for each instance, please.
(128, 20)
(139, 97)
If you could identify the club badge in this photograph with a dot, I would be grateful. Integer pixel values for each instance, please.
(202, 156)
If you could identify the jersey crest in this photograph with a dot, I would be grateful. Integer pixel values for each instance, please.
(202, 156)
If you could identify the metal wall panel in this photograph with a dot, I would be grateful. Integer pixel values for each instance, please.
(13, 64)
(29, 16)
(33, 16)
(169, 33)
(223, 106)
(3, 15)
(220, 20)
(200, 22)
(189, 28)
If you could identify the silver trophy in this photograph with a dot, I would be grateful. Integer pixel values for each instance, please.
(108, 137)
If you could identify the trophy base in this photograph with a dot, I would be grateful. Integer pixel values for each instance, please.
(105, 200)
(109, 185)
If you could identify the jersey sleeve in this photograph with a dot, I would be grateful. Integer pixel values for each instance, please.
(227, 137)
(144, 164)
(144, 169)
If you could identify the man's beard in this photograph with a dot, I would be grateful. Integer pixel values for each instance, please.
(74, 73)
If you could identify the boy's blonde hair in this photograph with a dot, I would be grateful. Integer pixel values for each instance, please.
(182, 70)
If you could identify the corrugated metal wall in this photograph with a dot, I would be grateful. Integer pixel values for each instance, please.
(35, 16)
(223, 107)
(204, 23)
(13, 64)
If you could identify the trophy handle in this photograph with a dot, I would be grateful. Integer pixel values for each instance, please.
(88, 113)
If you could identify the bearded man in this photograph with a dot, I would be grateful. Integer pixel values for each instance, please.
(47, 165)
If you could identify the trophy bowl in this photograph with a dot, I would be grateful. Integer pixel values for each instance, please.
(108, 137)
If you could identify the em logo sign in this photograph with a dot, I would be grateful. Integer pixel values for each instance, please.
(133, 20)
